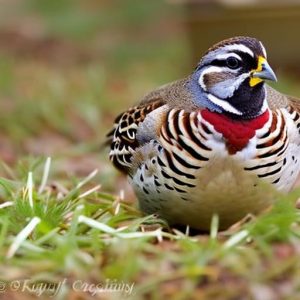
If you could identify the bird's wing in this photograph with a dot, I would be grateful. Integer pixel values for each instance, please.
(278, 100)
(123, 136)
(139, 124)
(295, 103)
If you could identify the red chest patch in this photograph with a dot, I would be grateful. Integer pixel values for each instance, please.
(236, 133)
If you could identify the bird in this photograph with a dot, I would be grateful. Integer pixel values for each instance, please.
(220, 142)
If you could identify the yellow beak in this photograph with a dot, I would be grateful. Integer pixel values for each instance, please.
(263, 72)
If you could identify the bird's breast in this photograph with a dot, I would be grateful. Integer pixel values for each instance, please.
(236, 133)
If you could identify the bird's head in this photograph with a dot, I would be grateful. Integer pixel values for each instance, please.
(231, 77)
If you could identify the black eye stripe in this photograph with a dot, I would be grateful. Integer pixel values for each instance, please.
(222, 63)
(247, 61)
(219, 63)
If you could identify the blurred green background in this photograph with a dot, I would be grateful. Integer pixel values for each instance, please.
(68, 67)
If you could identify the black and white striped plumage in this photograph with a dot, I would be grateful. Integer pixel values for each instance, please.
(219, 141)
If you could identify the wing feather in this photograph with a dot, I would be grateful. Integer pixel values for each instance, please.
(122, 138)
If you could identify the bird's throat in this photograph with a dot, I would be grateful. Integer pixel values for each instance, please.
(236, 133)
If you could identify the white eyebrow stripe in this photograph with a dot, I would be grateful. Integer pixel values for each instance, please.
(238, 47)
(213, 69)
(226, 55)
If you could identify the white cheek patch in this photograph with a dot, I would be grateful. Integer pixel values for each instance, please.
(225, 89)
(212, 69)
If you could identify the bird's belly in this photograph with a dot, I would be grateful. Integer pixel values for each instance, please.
(227, 190)
(221, 187)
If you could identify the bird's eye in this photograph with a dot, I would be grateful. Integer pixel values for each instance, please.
(232, 62)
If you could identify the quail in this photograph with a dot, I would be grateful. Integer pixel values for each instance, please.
(220, 141)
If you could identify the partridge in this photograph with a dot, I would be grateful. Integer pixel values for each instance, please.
(220, 141)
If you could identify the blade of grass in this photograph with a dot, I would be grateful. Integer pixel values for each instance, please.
(22, 236)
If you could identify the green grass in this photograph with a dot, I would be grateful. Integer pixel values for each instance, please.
(83, 233)
(73, 230)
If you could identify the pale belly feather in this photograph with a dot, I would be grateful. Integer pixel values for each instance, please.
(222, 188)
